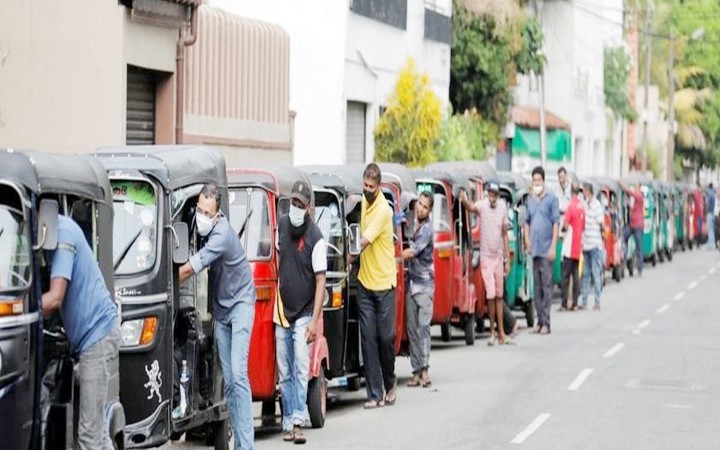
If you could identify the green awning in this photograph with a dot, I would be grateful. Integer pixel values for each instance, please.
(527, 142)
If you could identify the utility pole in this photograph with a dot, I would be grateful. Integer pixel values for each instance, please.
(671, 111)
(647, 85)
(541, 88)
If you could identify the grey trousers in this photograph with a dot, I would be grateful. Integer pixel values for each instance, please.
(377, 328)
(96, 366)
(543, 276)
(419, 305)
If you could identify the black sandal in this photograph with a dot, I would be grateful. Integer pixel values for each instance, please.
(299, 437)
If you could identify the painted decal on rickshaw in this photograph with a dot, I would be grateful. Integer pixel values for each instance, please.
(154, 380)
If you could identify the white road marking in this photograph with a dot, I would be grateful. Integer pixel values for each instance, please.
(533, 427)
(614, 350)
(692, 285)
(680, 406)
(679, 296)
(663, 308)
(644, 323)
(584, 374)
(712, 270)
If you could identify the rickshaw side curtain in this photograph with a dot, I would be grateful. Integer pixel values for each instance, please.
(527, 142)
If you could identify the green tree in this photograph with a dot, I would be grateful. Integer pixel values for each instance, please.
(410, 127)
(616, 73)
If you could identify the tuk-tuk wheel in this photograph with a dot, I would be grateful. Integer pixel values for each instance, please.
(480, 325)
(529, 308)
(317, 400)
(469, 330)
(669, 255)
(445, 332)
(653, 259)
(354, 384)
(616, 273)
(221, 435)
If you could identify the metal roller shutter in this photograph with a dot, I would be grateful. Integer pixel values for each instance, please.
(140, 119)
(355, 132)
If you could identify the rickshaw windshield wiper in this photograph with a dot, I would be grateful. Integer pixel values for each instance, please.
(247, 219)
(125, 251)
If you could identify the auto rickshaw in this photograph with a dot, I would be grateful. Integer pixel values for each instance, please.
(479, 173)
(258, 197)
(166, 327)
(455, 298)
(610, 196)
(690, 225)
(38, 389)
(519, 284)
(650, 234)
(338, 191)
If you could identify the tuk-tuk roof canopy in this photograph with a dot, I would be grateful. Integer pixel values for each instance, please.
(482, 169)
(274, 178)
(348, 179)
(399, 175)
(456, 179)
(513, 180)
(175, 166)
(635, 177)
(43, 173)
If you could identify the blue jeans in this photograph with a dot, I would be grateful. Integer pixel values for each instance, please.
(711, 231)
(233, 343)
(637, 234)
(293, 360)
(593, 269)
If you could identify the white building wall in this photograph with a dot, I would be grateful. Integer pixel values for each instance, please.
(317, 32)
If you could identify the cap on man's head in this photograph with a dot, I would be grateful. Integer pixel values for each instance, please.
(493, 186)
(301, 192)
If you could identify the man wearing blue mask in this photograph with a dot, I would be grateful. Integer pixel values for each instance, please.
(233, 306)
(298, 309)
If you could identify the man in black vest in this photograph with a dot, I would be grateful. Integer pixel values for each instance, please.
(298, 309)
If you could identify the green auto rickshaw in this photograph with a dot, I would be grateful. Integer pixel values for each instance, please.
(650, 238)
(519, 286)
(662, 221)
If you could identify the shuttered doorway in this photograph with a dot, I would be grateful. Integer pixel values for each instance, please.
(140, 118)
(355, 132)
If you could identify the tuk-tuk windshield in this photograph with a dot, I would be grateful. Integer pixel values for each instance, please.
(14, 250)
(134, 226)
(250, 218)
(329, 220)
(441, 209)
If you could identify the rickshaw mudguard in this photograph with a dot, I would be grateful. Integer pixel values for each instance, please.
(319, 352)
(262, 367)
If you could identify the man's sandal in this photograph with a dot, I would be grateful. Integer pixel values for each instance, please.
(373, 404)
(299, 437)
(289, 436)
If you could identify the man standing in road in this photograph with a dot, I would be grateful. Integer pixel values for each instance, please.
(298, 309)
(90, 317)
(637, 222)
(710, 198)
(565, 193)
(233, 307)
(541, 232)
(421, 291)
(699, 201)
(494, 254)
(592, 246)
(574, 226)
(376, 291)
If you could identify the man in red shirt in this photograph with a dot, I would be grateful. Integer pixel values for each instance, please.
(699, 213)
(574, 227)
(637, 221)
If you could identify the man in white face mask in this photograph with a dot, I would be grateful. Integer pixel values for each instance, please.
(233, 306)
(298, 309)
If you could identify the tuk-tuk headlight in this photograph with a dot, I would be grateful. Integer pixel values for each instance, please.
(139, 331)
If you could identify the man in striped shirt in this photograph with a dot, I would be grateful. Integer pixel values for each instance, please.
(592, 246)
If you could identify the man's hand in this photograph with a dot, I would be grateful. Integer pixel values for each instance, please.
(408, 253)
(311, 332)
(551, 253)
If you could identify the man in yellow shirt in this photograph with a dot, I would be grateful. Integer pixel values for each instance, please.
(376, 292)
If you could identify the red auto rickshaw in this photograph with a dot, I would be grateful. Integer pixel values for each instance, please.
(607, 192)
(258, 197)
(455, 301)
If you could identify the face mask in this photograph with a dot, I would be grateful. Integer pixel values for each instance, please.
(297, 216)
(493, 204)
(204, 224)
(370, 196)
(538, 189)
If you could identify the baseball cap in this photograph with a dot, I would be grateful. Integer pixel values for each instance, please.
(493, 186)
(301, 191)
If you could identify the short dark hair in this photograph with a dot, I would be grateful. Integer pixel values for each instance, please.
(210, 190)
(372, 172)
(429, 197)
(589, 187)
(711, 186)
(539, 171)
(562, 170)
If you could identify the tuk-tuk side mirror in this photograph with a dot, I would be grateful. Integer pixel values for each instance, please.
(181, 242)
(47, 238)
(354, 244)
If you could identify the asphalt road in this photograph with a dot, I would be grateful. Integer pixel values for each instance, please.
(643, 373)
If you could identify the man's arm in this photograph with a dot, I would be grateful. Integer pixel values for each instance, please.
(207, 255)
(555, 217)
(319, 262)
(52, 300)
(422, 240)
(375, 228)
(467, 204)
(506, 251)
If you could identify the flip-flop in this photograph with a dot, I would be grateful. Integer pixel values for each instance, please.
(427, 384)
(289, 436)
(508, 341)
(415, 382)
(373, 404)
(299, 437)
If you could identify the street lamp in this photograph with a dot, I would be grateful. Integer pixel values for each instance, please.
(696, 35)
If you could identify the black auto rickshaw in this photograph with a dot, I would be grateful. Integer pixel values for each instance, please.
(38, 390)
(167, 328)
